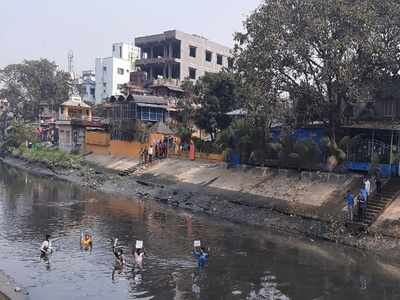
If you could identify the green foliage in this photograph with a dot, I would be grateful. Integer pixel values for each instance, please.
(323, 53)
(245, 138)
(374, 168)
(185, 134)
(345, 142)
(206, 146)
(33, 83)
(299, 154)
(336, 154)
(52, 158)
(186, 112)
(214, 95)
(130, 131)
(18, 134)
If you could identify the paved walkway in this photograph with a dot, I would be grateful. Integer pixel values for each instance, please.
(112, 162)
(284, 185)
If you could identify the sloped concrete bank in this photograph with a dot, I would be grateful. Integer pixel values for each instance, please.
(325, 222)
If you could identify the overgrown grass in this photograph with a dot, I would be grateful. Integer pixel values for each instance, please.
(52, 158)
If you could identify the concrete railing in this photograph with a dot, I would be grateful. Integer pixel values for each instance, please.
(74, 118)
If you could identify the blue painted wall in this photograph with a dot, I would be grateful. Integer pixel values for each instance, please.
(301, 134)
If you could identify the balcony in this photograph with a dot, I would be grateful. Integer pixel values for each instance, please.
(156, 61)
(82, 120)
(166, 82)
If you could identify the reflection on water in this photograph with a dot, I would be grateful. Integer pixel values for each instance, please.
(245, 263)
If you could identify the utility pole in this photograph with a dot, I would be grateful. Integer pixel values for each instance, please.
(71, 62)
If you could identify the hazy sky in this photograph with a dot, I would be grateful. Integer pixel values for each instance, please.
(30, 29)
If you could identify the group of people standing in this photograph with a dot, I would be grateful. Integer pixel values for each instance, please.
(159, 150)
(360, 201)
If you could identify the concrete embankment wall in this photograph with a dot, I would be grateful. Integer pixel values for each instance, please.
(311, 194)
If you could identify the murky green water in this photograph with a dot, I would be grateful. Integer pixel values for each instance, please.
(245, 263)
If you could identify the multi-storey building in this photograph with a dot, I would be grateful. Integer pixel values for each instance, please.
(176, 56)
(113, 72)
(88, 86)
(73, 118)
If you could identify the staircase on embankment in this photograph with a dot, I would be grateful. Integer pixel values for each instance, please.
(377, 203)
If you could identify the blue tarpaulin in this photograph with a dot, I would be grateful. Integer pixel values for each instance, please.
(386, 170)
(301, 134)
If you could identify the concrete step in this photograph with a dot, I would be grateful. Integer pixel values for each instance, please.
(376, 206)
(371, 215)
(378, 203)
(380, 200)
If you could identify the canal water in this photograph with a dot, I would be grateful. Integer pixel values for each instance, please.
(245, 262)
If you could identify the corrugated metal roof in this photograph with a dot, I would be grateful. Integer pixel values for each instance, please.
(75, 103)
(150, 100)
(151, 105)
(161, 127)
(238, 112)
(375, 125)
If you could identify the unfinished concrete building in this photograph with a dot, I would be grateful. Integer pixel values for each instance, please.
(174, 56)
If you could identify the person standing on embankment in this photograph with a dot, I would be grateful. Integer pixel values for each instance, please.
(350, 205)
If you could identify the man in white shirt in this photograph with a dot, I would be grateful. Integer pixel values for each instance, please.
(46, 246)
(151, 153)
(367, 186)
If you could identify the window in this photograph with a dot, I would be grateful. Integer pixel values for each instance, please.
(388, 109)
(105, 84)
(192, 73)
(219, 59)
(104, 68)
(208, 56)
(120, 86)
(150, 114)
(192, 51)
(120, 71)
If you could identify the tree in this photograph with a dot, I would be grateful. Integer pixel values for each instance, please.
(324, 54)
(18, 134)
(32, 83)
(215, 95)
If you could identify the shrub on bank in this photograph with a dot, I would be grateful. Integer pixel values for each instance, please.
(52, 158)
(17, 134)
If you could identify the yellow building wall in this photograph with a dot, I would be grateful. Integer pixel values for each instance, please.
(97, 138)
(126, 149)
(155, 137)
(99, 150)
(100, 143)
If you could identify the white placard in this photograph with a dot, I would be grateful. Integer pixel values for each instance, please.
(197, 243)
(139, 244)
